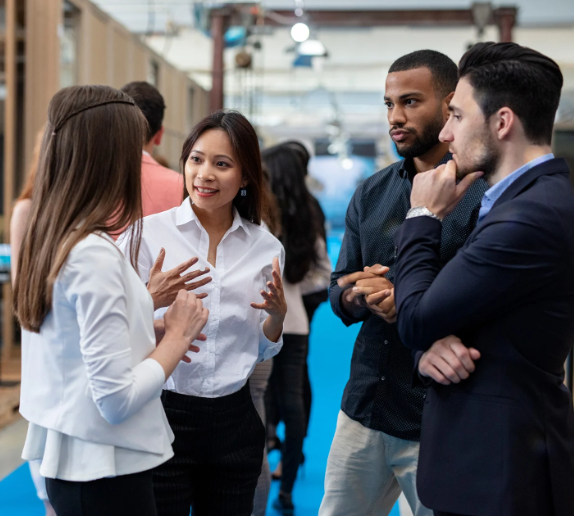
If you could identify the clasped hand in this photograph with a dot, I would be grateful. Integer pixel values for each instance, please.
(371, 290)
(438, 191)
(448, 361)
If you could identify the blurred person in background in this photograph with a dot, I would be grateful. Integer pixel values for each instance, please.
(259, 379)
(162, 188)
(374, 454)
(315, 292)
(219, 436)
(18, 225)
(93, 366)
(305, 251)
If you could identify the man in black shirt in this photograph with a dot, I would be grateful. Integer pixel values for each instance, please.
(374, 453)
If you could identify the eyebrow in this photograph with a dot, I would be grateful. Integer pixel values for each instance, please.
(453, 108)
(216, 156)
(407, 95)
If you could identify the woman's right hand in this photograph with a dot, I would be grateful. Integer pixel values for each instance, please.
(183, 321)
(164, 286)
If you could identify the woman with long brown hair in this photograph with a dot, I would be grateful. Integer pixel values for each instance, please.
(91, 370)
(219, 437)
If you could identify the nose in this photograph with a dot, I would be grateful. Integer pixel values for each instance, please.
(396, 116)
(204, 173)
(446, 135)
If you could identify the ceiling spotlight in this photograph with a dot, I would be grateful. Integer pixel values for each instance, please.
(312, 47)
(298, 12)
(347, 163)
(300, 32)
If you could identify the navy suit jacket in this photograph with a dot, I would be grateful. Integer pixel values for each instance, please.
(500, 443)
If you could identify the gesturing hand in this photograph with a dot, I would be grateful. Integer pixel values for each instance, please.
(438, 191)
(448, 361)
(274, 304)
(164, 286)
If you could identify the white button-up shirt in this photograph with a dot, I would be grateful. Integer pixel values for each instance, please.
(234, 330)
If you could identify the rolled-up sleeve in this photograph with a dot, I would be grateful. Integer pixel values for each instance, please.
(94, 285)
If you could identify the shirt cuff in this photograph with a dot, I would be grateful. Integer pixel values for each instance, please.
(151, 378)
(267, 348)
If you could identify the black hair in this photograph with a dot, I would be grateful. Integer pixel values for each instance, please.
(150, 101)
(243, 138)
(522, 79)
(299, 221)
(301, 150)
(442, 68)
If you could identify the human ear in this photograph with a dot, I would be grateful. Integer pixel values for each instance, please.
(505, 121)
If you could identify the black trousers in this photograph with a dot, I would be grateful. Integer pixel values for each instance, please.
(218, 456)
(286, 389)
(440, 513)
(126, 495)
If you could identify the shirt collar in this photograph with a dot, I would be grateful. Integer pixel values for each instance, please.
(407, 168)
(495, 191)
(185, 214)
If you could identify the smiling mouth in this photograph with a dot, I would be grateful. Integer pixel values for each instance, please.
(205, 192)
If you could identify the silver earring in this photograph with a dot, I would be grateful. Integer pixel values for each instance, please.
(243, 192)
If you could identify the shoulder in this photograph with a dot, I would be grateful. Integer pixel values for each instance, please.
(149, 165)
(159, 221)
(261, 233)
(20, 215)
(381, 179)
(22, 208)
(94, 256)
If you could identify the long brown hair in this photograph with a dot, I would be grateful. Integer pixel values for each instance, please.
(88, 180)
(255, 205)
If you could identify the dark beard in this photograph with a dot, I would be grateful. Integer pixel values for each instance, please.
(424, 142)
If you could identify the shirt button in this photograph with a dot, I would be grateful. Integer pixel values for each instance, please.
(382, 378)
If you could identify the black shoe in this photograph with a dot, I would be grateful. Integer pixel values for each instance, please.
(273, 443)
(284, 504)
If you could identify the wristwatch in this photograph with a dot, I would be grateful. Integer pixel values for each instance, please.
(422, 211)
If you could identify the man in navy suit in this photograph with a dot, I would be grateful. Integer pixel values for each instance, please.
(494, 326)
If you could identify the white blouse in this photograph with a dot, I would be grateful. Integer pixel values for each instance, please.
(234, 330)
(88, 389)
(317, 279)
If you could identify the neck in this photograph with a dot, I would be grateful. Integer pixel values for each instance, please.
(148, 147)
(214, 221)
(514, 157)
(429, 160)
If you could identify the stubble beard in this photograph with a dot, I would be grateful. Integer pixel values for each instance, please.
(425, 141)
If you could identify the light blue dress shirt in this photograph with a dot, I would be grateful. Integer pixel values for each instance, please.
(492, 194)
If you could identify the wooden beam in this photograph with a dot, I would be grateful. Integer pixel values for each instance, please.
(378, 18)
(219, 20)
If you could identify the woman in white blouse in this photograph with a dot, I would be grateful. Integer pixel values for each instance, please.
(91, 371)
(219, 437)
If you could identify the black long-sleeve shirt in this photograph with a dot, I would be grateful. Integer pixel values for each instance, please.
(380, 393)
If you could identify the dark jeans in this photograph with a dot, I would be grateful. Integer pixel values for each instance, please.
(126, 495)
(286, 388)
(218, 456)
(311, 303)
